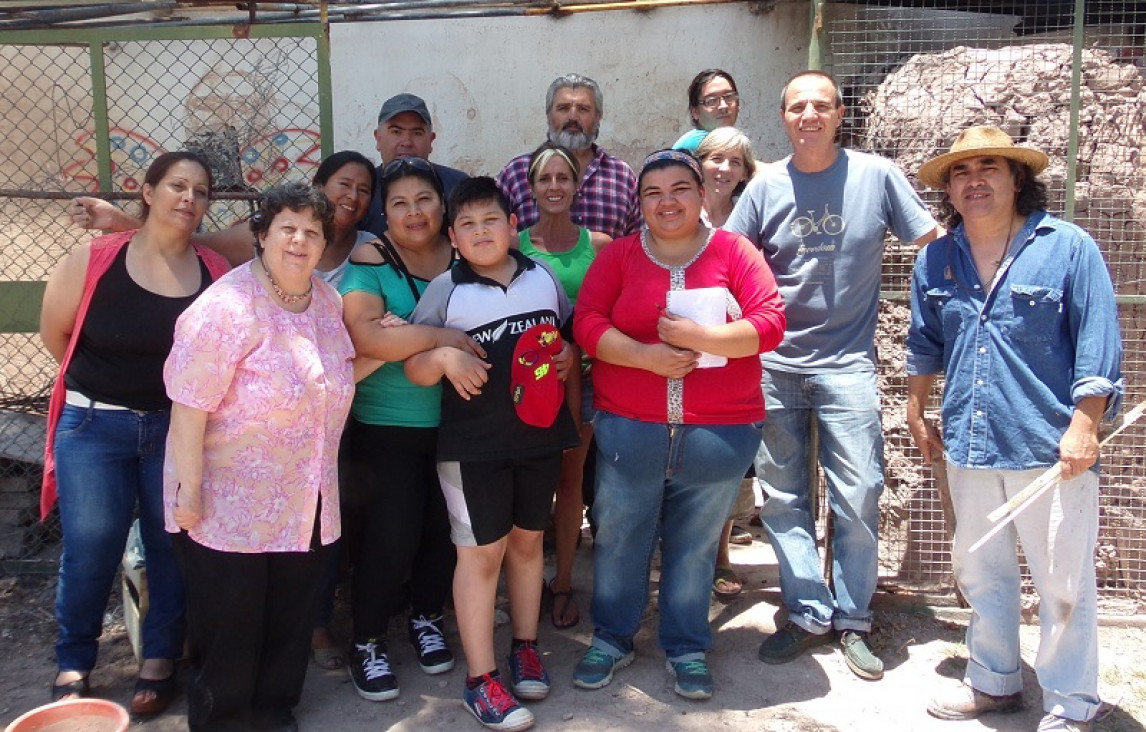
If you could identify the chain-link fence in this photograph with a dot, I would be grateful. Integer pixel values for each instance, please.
(913, 75)
(87, 112)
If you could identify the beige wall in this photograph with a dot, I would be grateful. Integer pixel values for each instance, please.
(484, 79)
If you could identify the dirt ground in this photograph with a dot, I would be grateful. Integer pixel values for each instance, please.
(815, 693)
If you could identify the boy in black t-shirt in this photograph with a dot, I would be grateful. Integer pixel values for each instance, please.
(497, 471)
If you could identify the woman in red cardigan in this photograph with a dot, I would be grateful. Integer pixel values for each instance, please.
(676, 317)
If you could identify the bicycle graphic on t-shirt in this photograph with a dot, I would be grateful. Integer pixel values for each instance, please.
(830, 224)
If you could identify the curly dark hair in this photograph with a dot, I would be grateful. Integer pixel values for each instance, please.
(1031, 196)
(297, 197)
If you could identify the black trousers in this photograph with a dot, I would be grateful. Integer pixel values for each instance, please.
(396, 525)
(249, 619)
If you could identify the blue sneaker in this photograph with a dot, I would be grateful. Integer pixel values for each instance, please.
(693, 679)
(595, 669)
(492, 704)
(527, 677)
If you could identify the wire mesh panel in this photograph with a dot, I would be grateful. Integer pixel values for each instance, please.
(250, 105)
(913, 75)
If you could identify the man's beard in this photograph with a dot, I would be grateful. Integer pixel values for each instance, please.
(573, 140)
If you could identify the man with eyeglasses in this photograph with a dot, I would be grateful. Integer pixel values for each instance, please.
(404, 130)
(607, 193)
(820, 216)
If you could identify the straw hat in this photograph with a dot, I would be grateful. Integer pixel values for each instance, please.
(975, 142)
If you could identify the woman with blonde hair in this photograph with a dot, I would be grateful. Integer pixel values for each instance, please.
(568, 249)
(726, 157)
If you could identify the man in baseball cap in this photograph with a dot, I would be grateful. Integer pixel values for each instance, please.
(404, 130)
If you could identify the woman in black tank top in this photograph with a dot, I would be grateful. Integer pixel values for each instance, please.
(108, 317)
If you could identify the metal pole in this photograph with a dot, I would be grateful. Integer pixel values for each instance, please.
(99, 113)
(325, 87)
(815, 49)
(1075, 107)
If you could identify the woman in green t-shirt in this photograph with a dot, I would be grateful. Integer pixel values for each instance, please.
(568, 249)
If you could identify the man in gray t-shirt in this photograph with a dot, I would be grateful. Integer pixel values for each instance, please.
(820, 217)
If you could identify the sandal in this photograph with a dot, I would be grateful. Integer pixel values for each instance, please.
(330, 658)
(152, 696)
(725, 584)
(78, 689)
(563, 603)
(740, 537)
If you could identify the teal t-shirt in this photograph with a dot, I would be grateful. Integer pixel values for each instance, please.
(386, 397)
(690, 140)
(570, 267)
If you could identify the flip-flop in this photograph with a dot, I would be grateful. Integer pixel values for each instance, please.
(562, 602)
(162, 691)
(78, 689)
(725, 584)
(330, 658)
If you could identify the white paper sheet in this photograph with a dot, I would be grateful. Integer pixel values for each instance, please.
(706, 306)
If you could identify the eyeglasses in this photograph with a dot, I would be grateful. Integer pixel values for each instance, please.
(712, 102)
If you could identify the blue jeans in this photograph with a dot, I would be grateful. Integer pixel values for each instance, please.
(672, 483)
(108, 463)
(846, 409)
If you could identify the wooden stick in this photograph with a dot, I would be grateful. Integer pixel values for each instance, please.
(1018, 503)
(1052, 475)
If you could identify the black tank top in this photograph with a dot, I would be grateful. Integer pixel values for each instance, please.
(125, 339)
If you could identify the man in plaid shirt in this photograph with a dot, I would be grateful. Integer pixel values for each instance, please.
(607, 195)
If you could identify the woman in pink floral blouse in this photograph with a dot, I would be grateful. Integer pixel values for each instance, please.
(261, 380)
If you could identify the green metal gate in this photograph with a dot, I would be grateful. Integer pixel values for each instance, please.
(84, 112)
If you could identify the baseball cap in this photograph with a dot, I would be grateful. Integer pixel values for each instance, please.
(400, 103)
(536, 390)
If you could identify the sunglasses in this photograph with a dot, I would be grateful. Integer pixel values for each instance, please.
(398, 166)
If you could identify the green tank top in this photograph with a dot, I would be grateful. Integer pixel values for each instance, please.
(570, 267)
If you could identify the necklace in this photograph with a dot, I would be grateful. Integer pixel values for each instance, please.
(997, 263)
(280, 293)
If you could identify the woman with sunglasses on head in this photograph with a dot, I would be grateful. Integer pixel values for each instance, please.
(568, 249)
(713, 101)
(108, 317)
(675, 433)
(399, 535)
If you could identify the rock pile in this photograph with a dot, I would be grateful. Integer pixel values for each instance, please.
(914, 114)
(920, 107)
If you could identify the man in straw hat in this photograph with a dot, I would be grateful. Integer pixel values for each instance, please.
(1016, 308)
(820, 217)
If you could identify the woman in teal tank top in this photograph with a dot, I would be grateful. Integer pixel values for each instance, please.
(568, 250)
(394, 513)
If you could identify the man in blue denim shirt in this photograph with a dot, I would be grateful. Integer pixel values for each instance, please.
(1016, 308)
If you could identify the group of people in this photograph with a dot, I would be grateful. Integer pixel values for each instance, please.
(416, 361)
